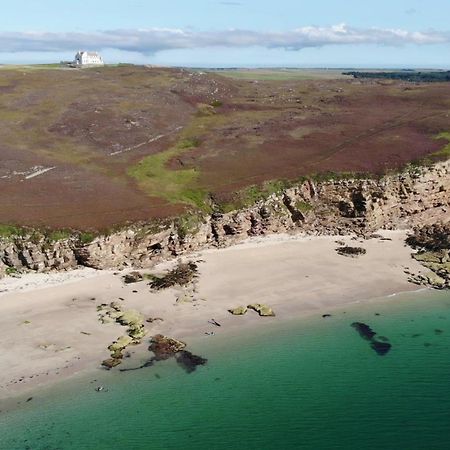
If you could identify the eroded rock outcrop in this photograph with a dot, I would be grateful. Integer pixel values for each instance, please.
(413, 197)
(432, 243)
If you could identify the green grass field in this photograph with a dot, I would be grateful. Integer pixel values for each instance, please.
(282, 74)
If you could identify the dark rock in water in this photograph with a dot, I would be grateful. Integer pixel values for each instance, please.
(416, 335)
(377, 314)
(364, 330)
(326, 315)
(29, 399)
(437, 331)
(380, 347)
(164, 348)
(189, 361)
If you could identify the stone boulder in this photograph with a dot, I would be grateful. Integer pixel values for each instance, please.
(262, 310)
(239, 311)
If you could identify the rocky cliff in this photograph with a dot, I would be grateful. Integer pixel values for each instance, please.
(418, 196)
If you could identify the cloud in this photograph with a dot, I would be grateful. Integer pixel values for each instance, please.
(152, 40)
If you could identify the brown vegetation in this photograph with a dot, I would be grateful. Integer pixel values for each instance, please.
(75, 144)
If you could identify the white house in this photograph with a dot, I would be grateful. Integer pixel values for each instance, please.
(88, 59)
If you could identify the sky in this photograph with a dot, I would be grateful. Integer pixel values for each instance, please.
(238, 33)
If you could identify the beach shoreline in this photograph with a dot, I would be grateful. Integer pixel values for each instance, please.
(51, 327)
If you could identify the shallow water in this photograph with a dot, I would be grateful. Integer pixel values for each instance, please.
(308, 384)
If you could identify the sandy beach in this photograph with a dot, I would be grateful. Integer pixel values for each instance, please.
(51, 329)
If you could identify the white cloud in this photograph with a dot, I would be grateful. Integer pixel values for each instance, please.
(152, 40)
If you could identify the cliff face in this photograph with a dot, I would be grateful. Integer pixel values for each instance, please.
(361, 206)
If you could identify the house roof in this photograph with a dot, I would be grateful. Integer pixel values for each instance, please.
(89, 53)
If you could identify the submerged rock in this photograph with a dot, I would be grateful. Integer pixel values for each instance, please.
(262, 310)
(189, 361)
(164, 348)
(239, 311)
(379, 345)
(364, 330)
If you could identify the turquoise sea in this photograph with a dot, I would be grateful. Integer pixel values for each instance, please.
(311, 383)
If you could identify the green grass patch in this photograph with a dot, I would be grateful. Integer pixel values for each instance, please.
(281, 74)
(10, 231)
(303, 207)
(86, 237)
(58, 235)
(176, 186)
(253, 194)
(188, 224)
(445, 151)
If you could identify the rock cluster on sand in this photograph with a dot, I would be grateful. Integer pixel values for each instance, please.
(131, 318)
(433, 245)
(262, 310)
(239, 311)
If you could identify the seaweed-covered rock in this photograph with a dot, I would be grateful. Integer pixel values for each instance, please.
(132, 277)
(239, 311)
(262, 310)
(352, 252)
(164, 347)
(182, 275)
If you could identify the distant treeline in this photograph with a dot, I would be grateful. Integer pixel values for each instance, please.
(404, 75)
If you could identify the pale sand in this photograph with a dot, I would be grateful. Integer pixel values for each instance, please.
(42, 317)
